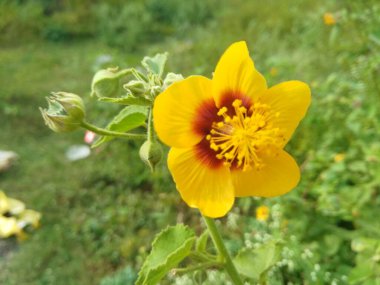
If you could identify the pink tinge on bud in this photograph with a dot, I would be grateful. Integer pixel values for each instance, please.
(89, 137)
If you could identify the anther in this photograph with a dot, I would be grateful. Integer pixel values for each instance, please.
(222, 111)
(237, 103)
(214, 146)
(243, 109)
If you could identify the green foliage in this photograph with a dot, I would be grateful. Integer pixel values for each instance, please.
(367, 270)
(127, 100)
(100, 213)
(155, 64)
(254, 263)
(127, 119)
(201, 242)
(116, 23)
(123, 24)
(124, 277)
(169, 248)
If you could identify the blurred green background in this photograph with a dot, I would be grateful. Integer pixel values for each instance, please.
(101, 213)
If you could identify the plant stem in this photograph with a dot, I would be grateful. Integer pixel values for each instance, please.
(196, 267)
(263, 279)
(105, 132)
(219, 244)
(150, 125)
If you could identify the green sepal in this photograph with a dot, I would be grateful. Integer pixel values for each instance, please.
(151, 153)
(169, 248)
(127, 100)
(201, 243)
(128, 118)
(253, 262)
(156, 64)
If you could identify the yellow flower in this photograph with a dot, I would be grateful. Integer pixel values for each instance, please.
(8, 227)
(329, 19)
(227, 134)
(339, 157)
(262, 213)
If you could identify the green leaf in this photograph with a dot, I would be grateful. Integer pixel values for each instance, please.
(106, 82)
(332, 243)
(201, 242)
(155, 64)
(127, 100)
(170, 79)
(169, 248)
(128, 118)
(364, 244)
(256, 261)
(361, 273)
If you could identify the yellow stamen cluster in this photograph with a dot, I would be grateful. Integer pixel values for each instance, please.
(239, 140)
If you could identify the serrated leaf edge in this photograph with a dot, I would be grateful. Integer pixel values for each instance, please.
(191, 239)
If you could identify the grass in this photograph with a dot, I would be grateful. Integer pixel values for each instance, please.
(100, 214)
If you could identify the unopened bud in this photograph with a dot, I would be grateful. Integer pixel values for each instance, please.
(106, 82)
(136, 87)
(65, 113)
(151, 153)
(71, 103)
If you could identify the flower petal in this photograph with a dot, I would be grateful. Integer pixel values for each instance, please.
(235, 74)
(290, 100)
(175, 111)
(208, 188)
(279, 175)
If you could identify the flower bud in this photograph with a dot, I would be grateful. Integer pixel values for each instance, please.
(151, 153)
(135, 87)
(106, 82)
(65, 113)
(71, 103)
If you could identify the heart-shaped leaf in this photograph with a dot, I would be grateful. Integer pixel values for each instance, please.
(155, 64)
(128, 118)
(255, 261)
(169, 248)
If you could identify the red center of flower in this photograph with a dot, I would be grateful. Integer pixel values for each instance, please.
(237, 133)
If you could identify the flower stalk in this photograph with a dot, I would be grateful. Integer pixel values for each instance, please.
(105, 132)
(219, 244)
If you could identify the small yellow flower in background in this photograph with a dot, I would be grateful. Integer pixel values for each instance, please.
(8, 227)
(339, 157)
(228, 133)
(14, 217)
(329, 19)
(273, 71)
(262, 213)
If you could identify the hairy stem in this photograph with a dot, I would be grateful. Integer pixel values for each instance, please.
(105, 132)
(219, 244)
